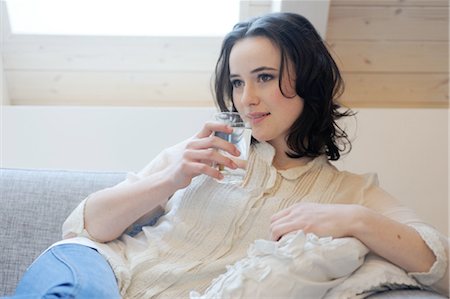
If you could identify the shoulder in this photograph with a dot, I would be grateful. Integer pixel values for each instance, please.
(357, 188)
(364, 180)
(364, 189)
(348, 179)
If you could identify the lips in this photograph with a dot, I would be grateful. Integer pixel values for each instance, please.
(257, 117)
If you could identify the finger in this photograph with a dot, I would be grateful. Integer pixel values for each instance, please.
(210, 157)
(240, 163)
(280, 214)
(211, 127)
(214, 142)
(224, 145)
(208, 170)
(279, 230)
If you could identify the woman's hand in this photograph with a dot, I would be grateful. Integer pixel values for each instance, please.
(395, 241)
(334, 220)
(199, 154)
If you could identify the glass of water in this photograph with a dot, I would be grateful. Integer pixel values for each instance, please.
(241, 137)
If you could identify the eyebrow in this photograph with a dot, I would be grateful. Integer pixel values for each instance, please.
(257, 70)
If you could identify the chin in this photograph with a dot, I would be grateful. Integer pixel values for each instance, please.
(262, 135)
(260, 138)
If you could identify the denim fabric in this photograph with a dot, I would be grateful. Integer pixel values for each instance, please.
(68, 271)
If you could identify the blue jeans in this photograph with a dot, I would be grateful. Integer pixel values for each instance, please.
(68, 271)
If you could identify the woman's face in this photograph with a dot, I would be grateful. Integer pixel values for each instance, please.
(254, 73)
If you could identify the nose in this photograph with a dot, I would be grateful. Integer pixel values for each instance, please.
(250, 95)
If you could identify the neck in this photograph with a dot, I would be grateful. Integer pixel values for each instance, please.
(282, 161)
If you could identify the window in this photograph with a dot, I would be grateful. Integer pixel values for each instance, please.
(123, 18)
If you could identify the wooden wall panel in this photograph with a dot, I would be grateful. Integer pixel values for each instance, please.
(393, 53)
(110, 88)
(111, 53)
(110, 71)
(393, 90)
(391, 56)
(429, 3)
(387, 23)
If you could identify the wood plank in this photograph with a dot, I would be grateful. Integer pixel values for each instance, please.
(109, 88)
(439, 3)
(111, 54)
(388, 23)
(107, 103)
(396, 90)
(391, 56)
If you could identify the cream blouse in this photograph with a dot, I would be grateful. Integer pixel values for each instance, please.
(210, 225)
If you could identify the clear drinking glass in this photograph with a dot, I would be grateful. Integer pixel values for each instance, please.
(241, 137)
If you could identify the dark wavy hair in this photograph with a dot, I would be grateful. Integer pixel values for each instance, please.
(318, 82)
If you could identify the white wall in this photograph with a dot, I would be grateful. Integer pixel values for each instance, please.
(408, 148)
(93, 138)
(4, 97)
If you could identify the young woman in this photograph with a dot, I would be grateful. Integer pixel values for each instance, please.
(275, 71)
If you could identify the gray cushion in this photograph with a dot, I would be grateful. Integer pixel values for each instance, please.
(34, 204)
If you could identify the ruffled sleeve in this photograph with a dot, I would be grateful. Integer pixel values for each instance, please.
(438, 276)
(74, 226)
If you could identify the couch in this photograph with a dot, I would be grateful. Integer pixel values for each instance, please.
(34, 204)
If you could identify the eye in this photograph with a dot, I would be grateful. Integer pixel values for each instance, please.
(265, 77)
(236, 83)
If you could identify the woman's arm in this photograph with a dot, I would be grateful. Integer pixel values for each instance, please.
(399, 243)
(378, 221)
(396, 242)
(108, 213)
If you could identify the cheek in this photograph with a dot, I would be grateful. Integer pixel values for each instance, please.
(237, 101)
(292, 108)
(285, 93)
(297, 108)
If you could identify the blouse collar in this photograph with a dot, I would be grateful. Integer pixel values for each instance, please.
(266, 152)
